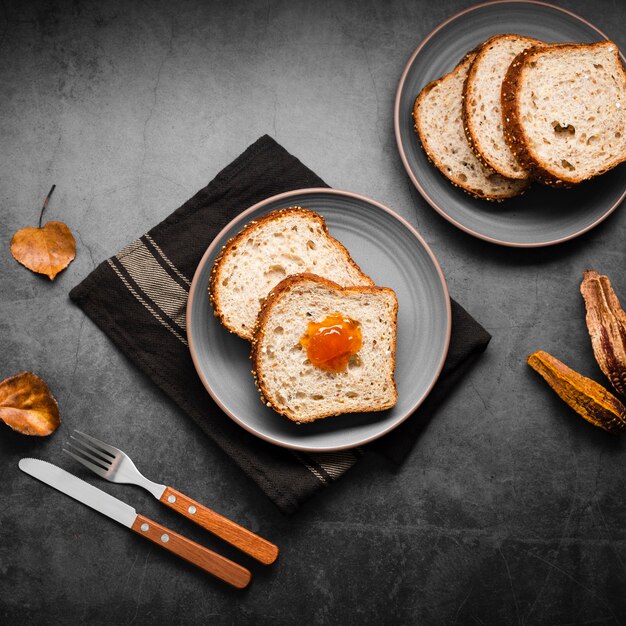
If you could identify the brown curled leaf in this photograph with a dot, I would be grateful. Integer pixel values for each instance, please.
(46, 250)
(606, 322)
(28, 406)
(585, 396)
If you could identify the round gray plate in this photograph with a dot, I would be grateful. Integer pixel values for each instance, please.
(393, 254)
(541, 216)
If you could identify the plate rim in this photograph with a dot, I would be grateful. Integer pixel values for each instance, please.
(405, 163)
(241, 217)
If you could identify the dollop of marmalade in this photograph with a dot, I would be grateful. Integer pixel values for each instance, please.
(330, 343)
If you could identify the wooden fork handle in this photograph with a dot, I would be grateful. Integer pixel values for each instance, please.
(238, 536)
(190, 551)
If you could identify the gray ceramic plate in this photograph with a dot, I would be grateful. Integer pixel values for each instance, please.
(541, 216)
(388, 249)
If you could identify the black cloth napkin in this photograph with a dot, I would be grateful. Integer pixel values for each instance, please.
(138, 298)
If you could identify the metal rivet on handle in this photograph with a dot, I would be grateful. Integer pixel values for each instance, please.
(165, 538)
(192, 509)
(171, 498)
(145, 528)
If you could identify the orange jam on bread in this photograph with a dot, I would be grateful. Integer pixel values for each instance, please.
(330, 343)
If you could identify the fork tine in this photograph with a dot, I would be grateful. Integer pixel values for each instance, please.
(105, 447)
(105, 463)
(92, 466)
(86, 448)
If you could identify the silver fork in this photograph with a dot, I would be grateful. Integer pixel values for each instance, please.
(116, 466)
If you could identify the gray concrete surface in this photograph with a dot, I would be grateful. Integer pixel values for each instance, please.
(510, 509)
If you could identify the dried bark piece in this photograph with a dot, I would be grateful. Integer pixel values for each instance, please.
(28, 406)
(46, 250)
(606, 322)
(589, 399)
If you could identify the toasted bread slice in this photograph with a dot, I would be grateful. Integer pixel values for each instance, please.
(565, 111)
(482, 110)
(281, 243)
(438, 116)
(285, 377)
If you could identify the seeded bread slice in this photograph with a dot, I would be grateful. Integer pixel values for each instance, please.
(281, 243)
(287, 380)
(482, 110)
(438, 117)
(565, 111)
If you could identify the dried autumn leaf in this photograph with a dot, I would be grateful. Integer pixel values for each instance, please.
(46, 250)
(585, 396)
(27, 406)
(606, 322)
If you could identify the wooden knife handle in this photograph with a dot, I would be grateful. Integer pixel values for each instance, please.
(202, 557)
(238, 536)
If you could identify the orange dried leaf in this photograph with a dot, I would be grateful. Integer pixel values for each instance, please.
(46, 250)
(27, 406)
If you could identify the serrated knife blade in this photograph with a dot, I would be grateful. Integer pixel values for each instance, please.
(78, 489)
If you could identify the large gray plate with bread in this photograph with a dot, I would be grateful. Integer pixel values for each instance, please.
(393, 254)
(542, 216)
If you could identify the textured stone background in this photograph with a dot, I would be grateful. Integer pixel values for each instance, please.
(510, 509)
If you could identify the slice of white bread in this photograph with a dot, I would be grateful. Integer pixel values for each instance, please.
(438, 117)
(565, 111)
(482, 111)
(285, 377)
(281, 243)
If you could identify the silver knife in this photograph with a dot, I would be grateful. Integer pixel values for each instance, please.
(202, 557)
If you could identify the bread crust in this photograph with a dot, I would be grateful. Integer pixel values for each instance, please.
(514, 133)
(259, 331)
(232, 243)
(457, 182)
(468, 126)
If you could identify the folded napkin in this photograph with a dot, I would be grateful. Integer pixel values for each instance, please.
(138, 298)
